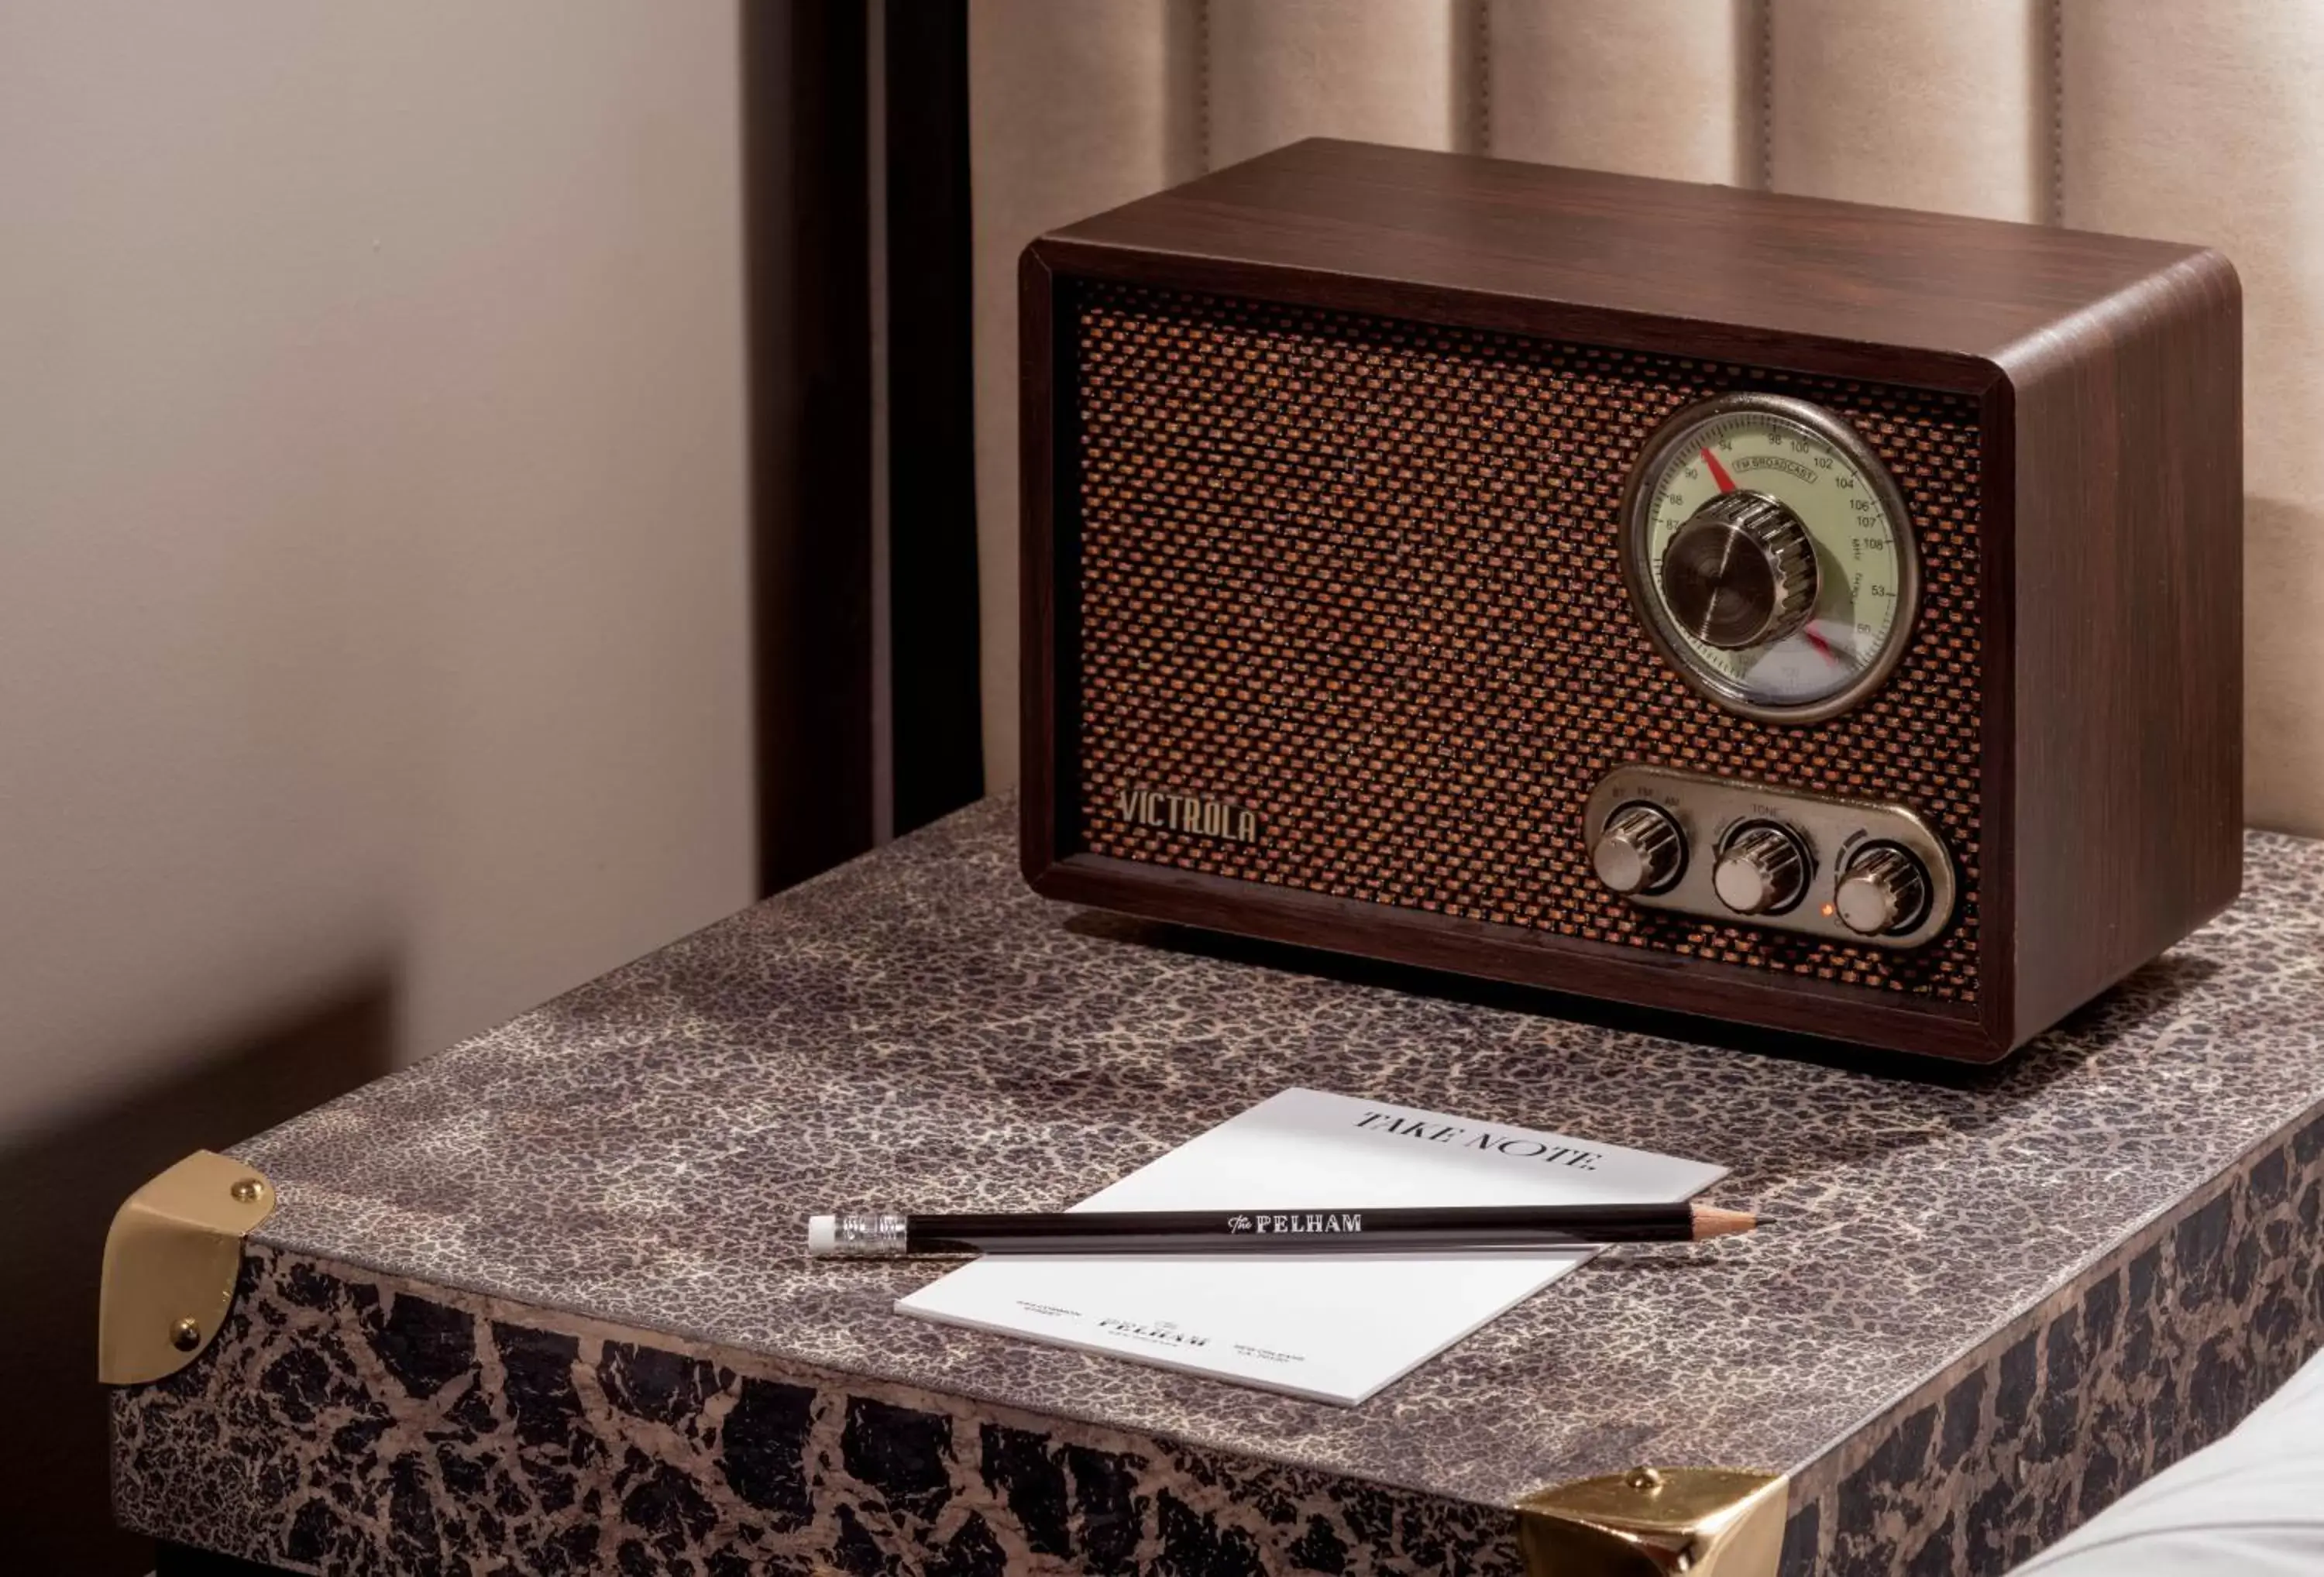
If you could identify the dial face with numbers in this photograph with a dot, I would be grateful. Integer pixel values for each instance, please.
(1859, 611)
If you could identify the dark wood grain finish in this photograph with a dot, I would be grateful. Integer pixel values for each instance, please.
(1933, 299)
(2126, 781)
(1047, 569)
(2107, 372)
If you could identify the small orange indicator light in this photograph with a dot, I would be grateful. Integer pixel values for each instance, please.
(1827, 911)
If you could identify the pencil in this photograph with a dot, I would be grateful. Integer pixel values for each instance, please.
(888, 1235)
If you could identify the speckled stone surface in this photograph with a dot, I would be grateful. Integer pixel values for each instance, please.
(351, 1423)
(1996, 1299)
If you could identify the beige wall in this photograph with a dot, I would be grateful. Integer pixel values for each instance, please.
(2203, 122)
(372, 516)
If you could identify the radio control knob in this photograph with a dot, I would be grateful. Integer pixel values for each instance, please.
(1639, 850)
(1883, 891)
(1762, 871)
(1741, 572)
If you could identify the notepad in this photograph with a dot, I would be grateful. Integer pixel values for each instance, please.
(1333, 1327)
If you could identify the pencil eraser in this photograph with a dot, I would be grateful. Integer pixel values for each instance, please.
(822, 1233)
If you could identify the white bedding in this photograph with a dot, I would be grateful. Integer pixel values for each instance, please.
(2252, 1504)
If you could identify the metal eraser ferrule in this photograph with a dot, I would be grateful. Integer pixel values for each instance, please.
(858, 1237)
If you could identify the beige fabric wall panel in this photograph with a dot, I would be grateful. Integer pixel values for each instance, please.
(1643, 86)
(1909, 103)
(1381, 72)
(1072, 109)
(2199, 123)
(372, 609)
(2205, 123)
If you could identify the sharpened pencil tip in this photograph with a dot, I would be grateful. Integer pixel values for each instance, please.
(1711, 1222)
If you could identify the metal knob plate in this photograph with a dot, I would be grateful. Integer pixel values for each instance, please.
(1751, 881)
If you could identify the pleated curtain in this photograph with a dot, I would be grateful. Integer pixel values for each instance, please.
(2193, 120)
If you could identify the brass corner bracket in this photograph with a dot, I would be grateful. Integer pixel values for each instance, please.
(1706, 1522)
(170, 1261)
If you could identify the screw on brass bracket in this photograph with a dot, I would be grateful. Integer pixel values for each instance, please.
(1705, 1522)
(170, 1261)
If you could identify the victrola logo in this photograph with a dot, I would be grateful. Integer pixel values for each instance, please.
(1189, 813)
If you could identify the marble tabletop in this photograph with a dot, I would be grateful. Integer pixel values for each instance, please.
(918, 1029)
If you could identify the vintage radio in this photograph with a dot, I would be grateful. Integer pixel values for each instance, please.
(1813, 616)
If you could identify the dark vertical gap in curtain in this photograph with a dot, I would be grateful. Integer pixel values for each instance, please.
(807, 266)
(938, 748)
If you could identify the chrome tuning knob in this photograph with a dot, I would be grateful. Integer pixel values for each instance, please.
(1762, 870)
(1882, 891)
(1640, 849)
(1741, 572)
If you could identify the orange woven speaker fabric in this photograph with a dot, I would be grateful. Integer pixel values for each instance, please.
(1361, 576)
(1773, 610)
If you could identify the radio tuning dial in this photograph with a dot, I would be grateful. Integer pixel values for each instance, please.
(1762, 870)
(1883, 890)
(1741, 572)
(1639, 850)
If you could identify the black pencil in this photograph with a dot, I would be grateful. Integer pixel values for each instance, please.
(892, 1235)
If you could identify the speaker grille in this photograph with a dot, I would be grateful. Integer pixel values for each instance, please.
(1361, 575)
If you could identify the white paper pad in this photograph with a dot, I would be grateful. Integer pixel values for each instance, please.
(1334, 1327)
